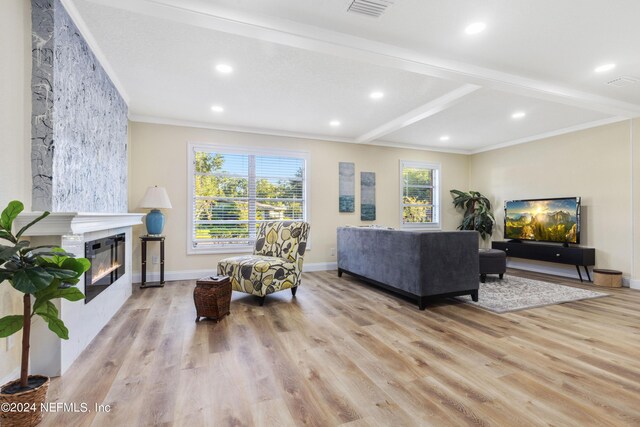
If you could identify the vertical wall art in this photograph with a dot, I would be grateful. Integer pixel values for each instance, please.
(347, 184)
(368, 196)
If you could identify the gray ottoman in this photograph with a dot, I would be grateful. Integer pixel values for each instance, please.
(492, 261)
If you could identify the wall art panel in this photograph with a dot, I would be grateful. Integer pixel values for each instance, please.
(347, 187)
(367, 196)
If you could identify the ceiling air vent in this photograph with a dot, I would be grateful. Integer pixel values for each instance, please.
(373, 8)
(623, 81)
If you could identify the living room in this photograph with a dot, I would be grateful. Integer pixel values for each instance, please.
(487, 109)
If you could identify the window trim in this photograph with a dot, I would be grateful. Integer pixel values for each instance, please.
(193, 146)
(437, 211)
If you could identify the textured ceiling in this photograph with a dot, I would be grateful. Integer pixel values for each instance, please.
(487, 121)
(298, 64)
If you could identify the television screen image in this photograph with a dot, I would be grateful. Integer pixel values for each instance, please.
(543, 220)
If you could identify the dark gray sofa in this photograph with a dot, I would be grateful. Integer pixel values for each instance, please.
(418, 264)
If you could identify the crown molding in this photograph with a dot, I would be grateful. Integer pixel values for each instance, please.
(73, 12)
(377, 143)
(557, 132)
(286, 134)
(214, 126)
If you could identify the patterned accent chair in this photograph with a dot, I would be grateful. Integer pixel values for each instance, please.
(276, 263)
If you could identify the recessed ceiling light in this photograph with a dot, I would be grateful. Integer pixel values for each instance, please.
(376, 95)
(224, 68)
(518, 115)
(444, 138)
(605, 67)
(217, 108)
(334, 123)
(475, 28)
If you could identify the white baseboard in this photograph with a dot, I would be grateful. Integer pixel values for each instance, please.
(634, 284)
(320, 266)
(196, 274)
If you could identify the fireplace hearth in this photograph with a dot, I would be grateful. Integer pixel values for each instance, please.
(107, 256)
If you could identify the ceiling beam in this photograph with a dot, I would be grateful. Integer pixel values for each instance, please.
(429, 109)
(289, 33)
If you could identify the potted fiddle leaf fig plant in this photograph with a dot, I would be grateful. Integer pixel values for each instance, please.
(42, 274)
(478, 215)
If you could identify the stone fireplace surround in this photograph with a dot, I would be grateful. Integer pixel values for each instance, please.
(70, 230)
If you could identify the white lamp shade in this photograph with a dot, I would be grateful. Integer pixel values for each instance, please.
(156, 198)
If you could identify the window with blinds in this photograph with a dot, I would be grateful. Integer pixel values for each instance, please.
(419, 195)
(233, 192)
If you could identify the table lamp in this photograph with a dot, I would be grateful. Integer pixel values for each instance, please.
(155, 198)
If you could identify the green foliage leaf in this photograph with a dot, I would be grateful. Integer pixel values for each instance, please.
(67, 269)
(55, 325)
(26, 227)
(56, 257)
(44, 295)
(10, 213)
(9, 325)
(10, 267)
(4, 234)
(6, 252)
(70, 294)
(79, 265)
(60, 273)
(31, 280)
(47, 307)
(55, 291)
(52, 257)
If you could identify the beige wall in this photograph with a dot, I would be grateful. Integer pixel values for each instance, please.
(159, 157)
(594, 164)
(15, 112)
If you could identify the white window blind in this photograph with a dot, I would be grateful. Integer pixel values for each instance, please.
(233, 192)
(419, 195)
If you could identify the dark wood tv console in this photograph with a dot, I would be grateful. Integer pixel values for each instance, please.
(572, 255)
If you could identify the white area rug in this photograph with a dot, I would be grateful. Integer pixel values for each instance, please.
(516, 293)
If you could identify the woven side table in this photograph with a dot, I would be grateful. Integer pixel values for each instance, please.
(212, 297)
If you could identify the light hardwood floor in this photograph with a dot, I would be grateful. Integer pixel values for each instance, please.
(344, 353)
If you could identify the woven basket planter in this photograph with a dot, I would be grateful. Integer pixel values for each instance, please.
(24, 407)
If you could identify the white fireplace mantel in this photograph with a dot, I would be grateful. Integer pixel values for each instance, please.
(63, 223)
(71, 231)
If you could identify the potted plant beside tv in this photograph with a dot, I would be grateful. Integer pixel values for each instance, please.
(42, 274)
(477, 212)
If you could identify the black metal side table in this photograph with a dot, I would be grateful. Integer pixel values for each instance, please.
(144, 240)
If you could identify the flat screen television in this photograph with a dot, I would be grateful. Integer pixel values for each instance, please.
(543, 220)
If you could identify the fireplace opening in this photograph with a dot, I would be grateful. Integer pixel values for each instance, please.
(107, 258)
